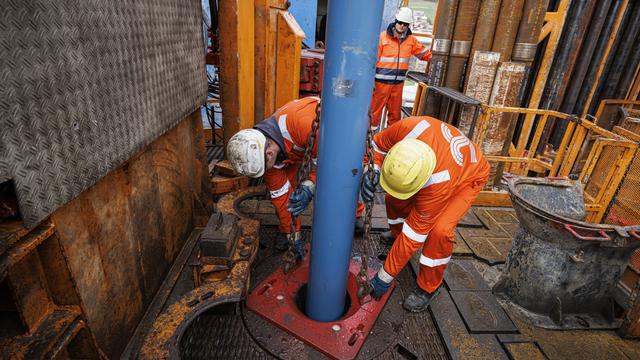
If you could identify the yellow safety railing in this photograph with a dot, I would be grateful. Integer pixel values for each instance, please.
(600, 171)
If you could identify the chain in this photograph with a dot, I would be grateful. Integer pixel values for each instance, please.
(362, 279)
(289, 257)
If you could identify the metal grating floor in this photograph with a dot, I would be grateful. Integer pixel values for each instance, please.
(222, 334)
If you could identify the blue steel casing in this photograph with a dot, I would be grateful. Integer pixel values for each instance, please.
(349, 69)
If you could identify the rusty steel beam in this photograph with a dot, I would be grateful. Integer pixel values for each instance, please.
(505, 93)
(507, 28)
(461, 45)
(484, 31)
(481, 76)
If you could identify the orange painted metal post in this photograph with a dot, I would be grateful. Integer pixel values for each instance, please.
(236, 65)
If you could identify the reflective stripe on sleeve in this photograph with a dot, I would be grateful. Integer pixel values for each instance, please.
(411, 234)
(384, 276)
(437, 178)
(395, 221)
(426, 261)
(283, 190)
(417, 130)
(377, 149)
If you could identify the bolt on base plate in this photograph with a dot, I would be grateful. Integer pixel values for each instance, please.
(274, 299)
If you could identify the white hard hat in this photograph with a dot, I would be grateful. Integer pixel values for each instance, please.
(245, 152)
(405, 15)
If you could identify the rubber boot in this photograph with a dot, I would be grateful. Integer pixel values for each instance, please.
(419, 300)
(282, 241)
(387, 238)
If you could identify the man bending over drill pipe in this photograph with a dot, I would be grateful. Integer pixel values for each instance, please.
(275, 148)
(431, 173)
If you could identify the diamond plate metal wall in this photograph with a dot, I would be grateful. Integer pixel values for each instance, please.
(84, 84)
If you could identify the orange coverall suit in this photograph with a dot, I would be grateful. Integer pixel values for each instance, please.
(391, 70)
(290, 127)
(430, 216)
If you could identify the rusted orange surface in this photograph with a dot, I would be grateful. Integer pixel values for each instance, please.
(121, 235)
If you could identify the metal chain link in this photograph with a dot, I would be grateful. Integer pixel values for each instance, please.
(289, 257)
(362, 279)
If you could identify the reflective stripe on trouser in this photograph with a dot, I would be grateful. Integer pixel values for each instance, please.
(438, 246)
(389, 95)
(274, 178)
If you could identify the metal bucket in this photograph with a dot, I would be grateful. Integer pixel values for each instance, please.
(560, 267)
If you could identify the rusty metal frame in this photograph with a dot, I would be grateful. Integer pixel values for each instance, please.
(607, 102)
(563, 162)
(163, 338)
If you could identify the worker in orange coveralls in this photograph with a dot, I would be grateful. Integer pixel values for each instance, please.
(431, 173)
(394, 51)
(275, 148)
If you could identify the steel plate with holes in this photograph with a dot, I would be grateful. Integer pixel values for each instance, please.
(286, 346)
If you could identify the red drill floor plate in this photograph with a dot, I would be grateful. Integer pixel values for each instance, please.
(274, 300)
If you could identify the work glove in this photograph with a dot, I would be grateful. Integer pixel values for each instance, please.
(368, 187)
(299, 200)
(379, 287)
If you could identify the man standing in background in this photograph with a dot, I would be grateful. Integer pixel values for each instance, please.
(395, 48)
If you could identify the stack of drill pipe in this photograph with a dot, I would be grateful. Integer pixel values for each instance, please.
(596, 26)
(507, 28)
(479, 84)
(624, 60)
(571, 41)
(569, 46)
(461, 44)
(524, 49)
(594, 64)
(500, 126)
(443, 32)
(600, 77)
(485, 29)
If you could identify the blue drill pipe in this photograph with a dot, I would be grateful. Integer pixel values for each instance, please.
(349, 70)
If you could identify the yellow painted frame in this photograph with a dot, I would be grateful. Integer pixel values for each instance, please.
(564, 160)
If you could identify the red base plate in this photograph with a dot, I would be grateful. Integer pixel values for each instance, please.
(274, 300)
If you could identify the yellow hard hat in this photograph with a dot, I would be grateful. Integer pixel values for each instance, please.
(407, 167)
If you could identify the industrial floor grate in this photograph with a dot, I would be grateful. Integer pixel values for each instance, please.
(221, 334)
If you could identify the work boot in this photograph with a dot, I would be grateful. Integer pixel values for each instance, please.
(282, 241)
(387, 238)
(359, 230)
(418, 300)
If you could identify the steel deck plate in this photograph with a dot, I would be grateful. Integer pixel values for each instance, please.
(463, 275)
(482, 313)
(460, 344)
